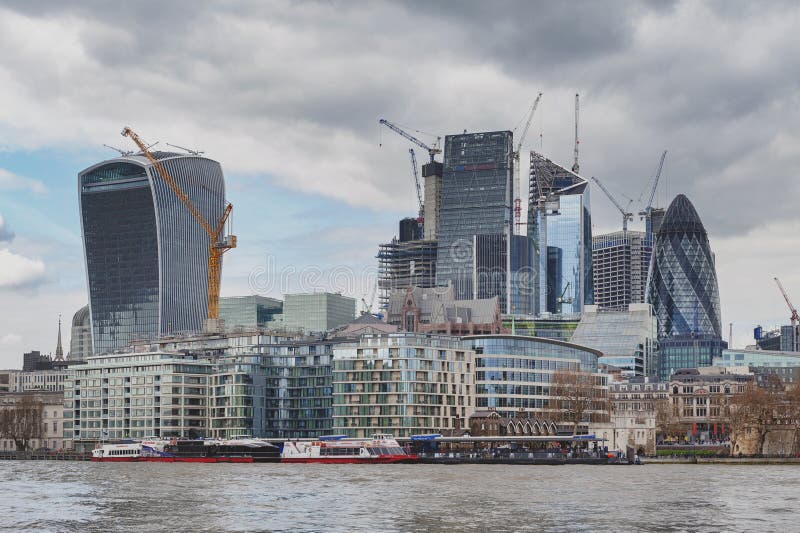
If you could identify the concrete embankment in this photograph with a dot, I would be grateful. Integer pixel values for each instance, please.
(722, 460)
(44, 456)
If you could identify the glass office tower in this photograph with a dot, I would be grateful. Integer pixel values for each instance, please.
(683, 291)
(146, 256)
(476, 200)
(560, 228)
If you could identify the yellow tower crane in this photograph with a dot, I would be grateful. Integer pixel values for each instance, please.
(216, 244)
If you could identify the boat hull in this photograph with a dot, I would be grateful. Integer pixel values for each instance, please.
(383, 459)
(172, 459)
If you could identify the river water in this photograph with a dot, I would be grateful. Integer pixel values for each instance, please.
(75, 496)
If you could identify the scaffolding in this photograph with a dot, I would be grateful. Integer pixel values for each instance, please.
(405, 264)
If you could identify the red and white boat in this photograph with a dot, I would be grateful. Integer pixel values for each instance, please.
(382, 448)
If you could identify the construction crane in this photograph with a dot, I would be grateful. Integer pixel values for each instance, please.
(561, 299)
(626, 216)
(517, 182)
(575, 166)
(216, 246)
(795, 317)
(646, 211)
(416, 182)
(432, 150)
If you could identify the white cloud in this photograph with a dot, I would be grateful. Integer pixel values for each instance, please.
(19, 271)
(11, 181)
(10, 339)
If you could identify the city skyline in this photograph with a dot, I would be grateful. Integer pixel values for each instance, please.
(311, 184)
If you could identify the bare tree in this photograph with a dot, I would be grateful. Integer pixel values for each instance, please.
(668, 423)
(752, 412)
(21, 421)
(575, 395)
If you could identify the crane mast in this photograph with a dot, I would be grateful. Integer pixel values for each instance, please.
(575, 167)
(649, 207)
(626, 216)
(517, 180)
(794, 318)
(216, 246)
(416, 182)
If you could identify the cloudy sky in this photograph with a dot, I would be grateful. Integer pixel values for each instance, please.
(287, 95)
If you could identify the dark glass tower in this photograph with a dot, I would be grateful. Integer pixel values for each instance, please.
(476, 200)
(683, 291)
(146, 256)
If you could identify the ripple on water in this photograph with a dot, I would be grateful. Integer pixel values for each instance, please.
(58, 496)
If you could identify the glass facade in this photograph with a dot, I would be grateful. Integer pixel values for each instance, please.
(757, 358)
(248, 312)
(476, 200)
(683, 283)
(687, 351)
(317, 312)
(560, 228)
(627, 339)
(514, 372)
(146, 256)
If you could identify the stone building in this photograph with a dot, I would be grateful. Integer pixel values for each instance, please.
(701, 398)
(51, 436)
(435, 310)
(490, 423)
(636, 429)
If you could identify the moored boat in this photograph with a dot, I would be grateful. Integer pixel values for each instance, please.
(237, 450)
(382, 448)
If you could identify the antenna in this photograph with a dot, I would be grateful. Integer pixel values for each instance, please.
(193, 152)
(575, 166)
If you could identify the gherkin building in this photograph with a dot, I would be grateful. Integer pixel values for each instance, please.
(682, 285)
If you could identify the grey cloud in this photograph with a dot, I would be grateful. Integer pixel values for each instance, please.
(6, 235)
(712, 82)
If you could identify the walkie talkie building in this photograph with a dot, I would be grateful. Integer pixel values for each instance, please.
(146, 256)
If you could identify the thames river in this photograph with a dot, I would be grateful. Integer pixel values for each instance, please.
(75, 496)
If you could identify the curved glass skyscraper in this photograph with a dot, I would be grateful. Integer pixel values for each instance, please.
(146, 256)
(683, 291)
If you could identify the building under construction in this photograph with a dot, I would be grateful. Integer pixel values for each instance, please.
(403, 264)
(620, 261)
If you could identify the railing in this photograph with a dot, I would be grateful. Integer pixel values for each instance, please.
(45, 456)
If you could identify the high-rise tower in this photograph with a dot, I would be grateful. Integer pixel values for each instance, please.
(146, 256)
(560, 228)
(683, 290)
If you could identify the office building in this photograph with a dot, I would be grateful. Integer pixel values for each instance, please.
(432, 174)
(476, 199)
(80, 346)
(683, 284)
(146, 255)
(620, 263)
(783, 364)
(560, 227)
(405, 264)
(248, 312)
(626, 338)
(402, 383)
(317, 312)
(683, 291)
(34, 361)
(558, 327)
(514, 373)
